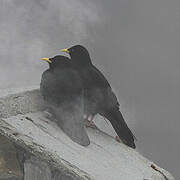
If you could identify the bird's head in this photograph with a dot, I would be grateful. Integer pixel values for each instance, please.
(56, 61)
(79, 54)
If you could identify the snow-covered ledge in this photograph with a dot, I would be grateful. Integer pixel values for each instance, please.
(23, 122)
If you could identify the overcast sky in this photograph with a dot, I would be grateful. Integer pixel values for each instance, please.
(136, 44)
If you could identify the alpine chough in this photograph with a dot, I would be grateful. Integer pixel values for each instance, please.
(62, 89)
(99, 97)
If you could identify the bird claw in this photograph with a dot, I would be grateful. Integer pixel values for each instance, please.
(90, 124)
(118, 139)
(89, 120)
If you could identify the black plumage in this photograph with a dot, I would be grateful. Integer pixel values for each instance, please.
(62, 89)
(61, 82)
(99, 97)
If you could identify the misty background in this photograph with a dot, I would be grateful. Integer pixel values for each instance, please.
(135, 43)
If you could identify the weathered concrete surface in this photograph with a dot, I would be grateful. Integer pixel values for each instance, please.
(36, 169)
(9, 165)
(104, 158)
(20, 103)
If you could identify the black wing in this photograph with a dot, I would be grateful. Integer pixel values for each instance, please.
(60, 85)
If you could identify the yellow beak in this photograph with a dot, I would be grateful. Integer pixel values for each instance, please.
(65, 50)
(47, 60)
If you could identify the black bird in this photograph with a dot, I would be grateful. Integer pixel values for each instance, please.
(99, 97)
(62, 89)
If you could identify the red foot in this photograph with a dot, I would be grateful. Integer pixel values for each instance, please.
(90, 124)
(90, 118)
(118, 139)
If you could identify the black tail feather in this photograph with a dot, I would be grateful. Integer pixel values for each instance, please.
(117, 121)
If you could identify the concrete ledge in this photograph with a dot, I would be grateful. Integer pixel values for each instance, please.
(20, 103)
(24, 123)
